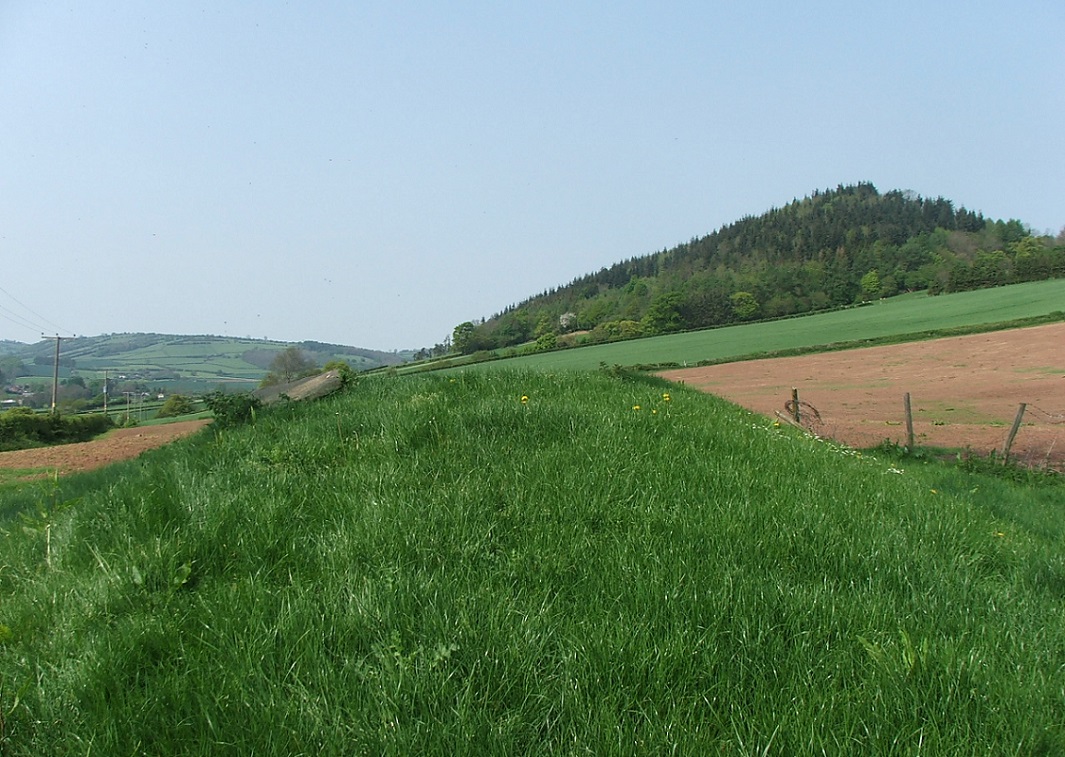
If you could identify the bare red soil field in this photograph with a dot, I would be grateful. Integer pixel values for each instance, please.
(122, 444)
(965, 392)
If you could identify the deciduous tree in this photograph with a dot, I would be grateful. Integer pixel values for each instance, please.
(290, 364)
(461, 337)
(870, 285)
(744, 305)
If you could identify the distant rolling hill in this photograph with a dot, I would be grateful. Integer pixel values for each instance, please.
(192, 360)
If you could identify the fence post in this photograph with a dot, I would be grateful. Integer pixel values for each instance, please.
(909, 422)
(795, 404)
(1013, 432)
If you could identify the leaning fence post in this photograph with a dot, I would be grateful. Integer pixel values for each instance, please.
(909, 422)
(795, 404)
(1013, 432)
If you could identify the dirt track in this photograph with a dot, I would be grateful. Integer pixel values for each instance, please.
(122, 444)
(965, 391)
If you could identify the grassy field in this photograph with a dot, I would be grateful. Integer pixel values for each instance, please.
(204, 357)
(906, 314)
(214, 359)
(518, 563)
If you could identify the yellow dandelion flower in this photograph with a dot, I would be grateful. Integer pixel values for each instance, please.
(525, 399)
(666, 397)
(636, 407)
(654, 412)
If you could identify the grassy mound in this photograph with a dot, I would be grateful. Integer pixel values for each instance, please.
(508, 563)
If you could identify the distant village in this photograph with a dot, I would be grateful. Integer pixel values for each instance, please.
(15, 395)
(76, 394)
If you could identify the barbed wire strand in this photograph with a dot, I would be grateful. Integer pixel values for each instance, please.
(1051, 417)
(810, 420)
(807, 413)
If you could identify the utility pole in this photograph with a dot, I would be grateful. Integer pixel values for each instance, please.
(105, 392)
(55, 375)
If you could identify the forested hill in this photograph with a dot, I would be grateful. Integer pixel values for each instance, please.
(833, 248)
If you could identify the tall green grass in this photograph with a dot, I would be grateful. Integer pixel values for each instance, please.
(612, 566)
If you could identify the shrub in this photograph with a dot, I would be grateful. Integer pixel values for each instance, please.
(176, 404)
(547, 341)
(21, 428)
(232, 409)
(347, 374)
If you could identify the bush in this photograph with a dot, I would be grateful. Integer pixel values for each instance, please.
(176, 404)
(547, 341)
(347, 373)
(21, 428)
(232, 409)
(81, 428)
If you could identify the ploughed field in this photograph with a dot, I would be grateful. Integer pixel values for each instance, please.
(122, 444)
(965, 392)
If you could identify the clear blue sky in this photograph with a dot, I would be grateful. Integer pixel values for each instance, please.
(374, 173)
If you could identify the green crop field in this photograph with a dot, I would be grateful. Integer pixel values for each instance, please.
(516, 562)
(906, 314)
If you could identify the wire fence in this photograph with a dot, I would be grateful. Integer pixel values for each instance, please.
(1028, 434)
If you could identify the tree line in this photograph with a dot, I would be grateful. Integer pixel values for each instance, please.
(831, 249)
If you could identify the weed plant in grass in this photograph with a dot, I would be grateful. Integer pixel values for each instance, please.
(514, 563)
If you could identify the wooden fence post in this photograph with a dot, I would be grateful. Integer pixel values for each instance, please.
(1013, 432)
(909, 422)
(795, 404)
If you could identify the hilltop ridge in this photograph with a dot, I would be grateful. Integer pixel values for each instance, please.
(833, 248)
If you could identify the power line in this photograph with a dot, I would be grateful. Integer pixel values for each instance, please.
(18, 320)
(37, 326)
